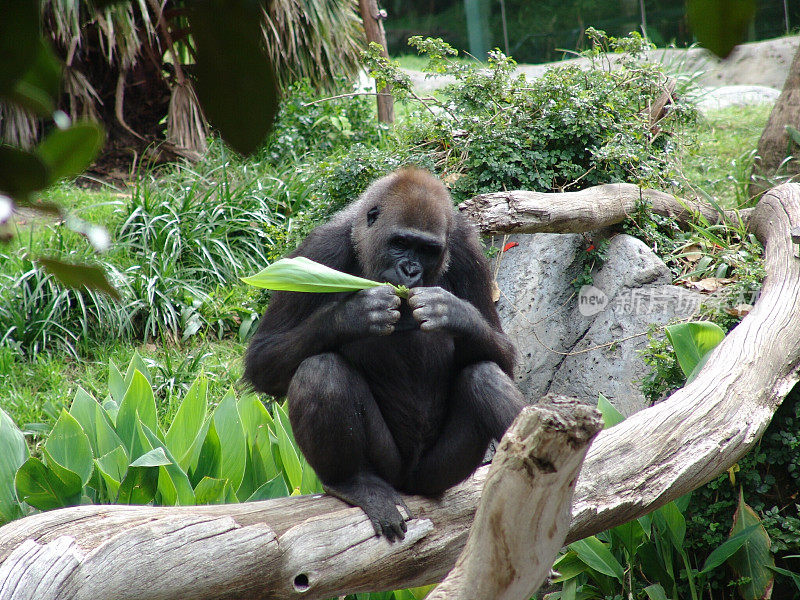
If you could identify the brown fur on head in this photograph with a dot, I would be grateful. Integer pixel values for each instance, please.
(409, 199)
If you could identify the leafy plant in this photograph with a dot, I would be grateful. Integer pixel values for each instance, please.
(116, 451)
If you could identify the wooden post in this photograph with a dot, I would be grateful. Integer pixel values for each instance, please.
(373, 27)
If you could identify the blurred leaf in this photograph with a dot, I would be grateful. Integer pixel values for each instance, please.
(68, 152)
(235, 78)
(274, 488)
(39, 87)
(210, 491)
(692, 341)
(21, 172)
(13, 453)
(139, 485)
(76, 276)
(753, 561)
(794, 134)
(611, 416)
(188, 422)
(19, 34)
(720, 24)
(596, 555)
(69, 446)
(40, 487)
(232, 440)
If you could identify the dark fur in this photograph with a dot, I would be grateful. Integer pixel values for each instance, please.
(413, 410)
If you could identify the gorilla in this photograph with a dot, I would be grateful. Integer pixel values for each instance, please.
(388, 395)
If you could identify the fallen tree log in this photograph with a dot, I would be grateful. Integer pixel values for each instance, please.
(576, 212)
(315, 547)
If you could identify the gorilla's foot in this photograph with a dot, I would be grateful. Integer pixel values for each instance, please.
(378, 500)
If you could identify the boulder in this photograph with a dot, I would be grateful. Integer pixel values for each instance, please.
(557, 330)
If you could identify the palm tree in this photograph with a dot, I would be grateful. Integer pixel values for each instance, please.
(130, 63)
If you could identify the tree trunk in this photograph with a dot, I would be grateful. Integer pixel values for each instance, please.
(373, 27)
(316, 547)
(776, 144)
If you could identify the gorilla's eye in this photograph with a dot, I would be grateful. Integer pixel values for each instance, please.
(372, 215)
(431, 250)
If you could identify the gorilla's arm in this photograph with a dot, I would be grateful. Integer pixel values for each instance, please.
(463, 305)
(299, 325)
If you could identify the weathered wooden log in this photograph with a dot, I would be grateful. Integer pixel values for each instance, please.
(315, 547)
(575, 212)
(524, 513)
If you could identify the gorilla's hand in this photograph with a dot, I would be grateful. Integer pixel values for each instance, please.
(437, 309)
(373, 311)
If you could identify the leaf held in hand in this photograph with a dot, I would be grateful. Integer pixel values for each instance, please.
(301, 274)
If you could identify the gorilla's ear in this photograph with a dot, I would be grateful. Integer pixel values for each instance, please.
(372, 215)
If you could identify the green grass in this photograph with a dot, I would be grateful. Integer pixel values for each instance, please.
(719, 159)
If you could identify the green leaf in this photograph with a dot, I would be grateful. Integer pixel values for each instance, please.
(653, 566)
(671, 521)
(232, 440)
(68, 152)
(309, 482)
(210, 491)
(568, 566)
(596, 555)
(188, 422)
(21, 172)
(78, 275)
(720, 24)
(154, 458)
(793, 133)
(210, 458)
(139, 485)
(611, 416)
(255, 416)
(726, 549)
(113, 466)
(753, 561)
(173, 483)
(42, 488)
(13, 454)
(301, 274)
(655, 592)
(692, 341)
(39, 87)
(69, 446)
(235, 77)
(631, 534)
(137, 364)
(116, 382)
(289, 458)
(138, 404)
(95, 422)
(274, 488)
(795, 577)
(19, 38)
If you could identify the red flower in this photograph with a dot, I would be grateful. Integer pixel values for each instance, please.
(509, 246)
(590, 248)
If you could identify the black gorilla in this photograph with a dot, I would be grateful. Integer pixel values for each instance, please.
(387, 395)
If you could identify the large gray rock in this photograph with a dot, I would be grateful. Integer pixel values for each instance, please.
(551, 325)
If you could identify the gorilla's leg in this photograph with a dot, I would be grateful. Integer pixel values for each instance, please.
(342, 434)
(483, 404)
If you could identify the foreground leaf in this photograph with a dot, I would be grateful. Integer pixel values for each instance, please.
(301, 274)
(69, 446)
(596, 555)
(720, 24)
(76, 276)
(68, 152)
(42, 488)
(753, 561)
(693, 341)
(13, 454)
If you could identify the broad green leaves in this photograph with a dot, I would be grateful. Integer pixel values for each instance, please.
(693, 343)
(301, 274)
(117, 452)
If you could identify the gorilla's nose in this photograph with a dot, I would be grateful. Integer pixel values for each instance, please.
(410, 272)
